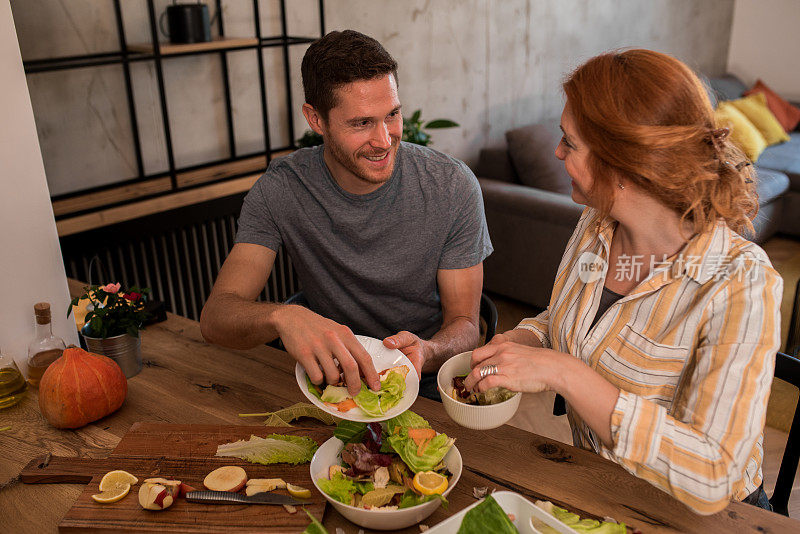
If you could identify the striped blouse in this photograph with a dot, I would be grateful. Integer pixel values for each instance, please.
(692, 349)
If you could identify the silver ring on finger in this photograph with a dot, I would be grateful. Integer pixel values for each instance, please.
(488, 370)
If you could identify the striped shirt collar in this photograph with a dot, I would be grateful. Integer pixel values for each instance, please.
(693, 260)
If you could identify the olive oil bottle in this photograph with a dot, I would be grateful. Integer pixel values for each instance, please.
(45, 348)
(12, 383)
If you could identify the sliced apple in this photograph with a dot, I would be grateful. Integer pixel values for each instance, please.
(227, 478)
(272, 483)
(154, 496)
(173, 486)
(253, 490)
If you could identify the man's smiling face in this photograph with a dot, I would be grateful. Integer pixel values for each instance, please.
(362, 133)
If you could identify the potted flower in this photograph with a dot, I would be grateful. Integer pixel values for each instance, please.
(109, 319)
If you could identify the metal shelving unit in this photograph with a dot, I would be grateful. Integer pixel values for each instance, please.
(144, 186)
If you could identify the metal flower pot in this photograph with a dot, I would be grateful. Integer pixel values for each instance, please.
(124, 349)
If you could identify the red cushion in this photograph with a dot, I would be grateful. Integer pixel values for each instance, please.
(787, 114)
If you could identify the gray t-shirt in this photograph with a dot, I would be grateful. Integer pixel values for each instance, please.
(370, 261)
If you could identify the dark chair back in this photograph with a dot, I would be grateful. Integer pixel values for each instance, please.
(793, 339)
(787, 368)
(489, 315)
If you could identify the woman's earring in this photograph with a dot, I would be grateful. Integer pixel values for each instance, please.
(620, 185)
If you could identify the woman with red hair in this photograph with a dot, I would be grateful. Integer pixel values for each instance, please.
(664, 321)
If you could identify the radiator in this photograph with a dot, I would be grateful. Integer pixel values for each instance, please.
(177, 254)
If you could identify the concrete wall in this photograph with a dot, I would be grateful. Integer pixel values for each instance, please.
(31, 269)
(765, 43)
(488, 64)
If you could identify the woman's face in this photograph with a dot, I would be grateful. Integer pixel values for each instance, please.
(575, 155)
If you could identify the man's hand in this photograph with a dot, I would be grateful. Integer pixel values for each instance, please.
(315, 341)
(412, 346)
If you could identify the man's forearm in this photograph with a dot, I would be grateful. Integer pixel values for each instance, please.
(234, 322)
(459, 335)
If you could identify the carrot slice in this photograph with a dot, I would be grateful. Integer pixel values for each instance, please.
(422, 446)
(346, 405)
(421, 434)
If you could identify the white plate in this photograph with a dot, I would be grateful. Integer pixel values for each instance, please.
(382, 358)
(329, 453)
(511, 503)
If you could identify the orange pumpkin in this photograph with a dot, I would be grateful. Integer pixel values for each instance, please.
(81, 387)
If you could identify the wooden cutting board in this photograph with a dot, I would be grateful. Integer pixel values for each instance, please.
(184, 452)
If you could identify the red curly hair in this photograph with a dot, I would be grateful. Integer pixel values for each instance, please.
(646, 118)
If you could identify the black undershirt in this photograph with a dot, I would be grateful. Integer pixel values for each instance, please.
(606, 300)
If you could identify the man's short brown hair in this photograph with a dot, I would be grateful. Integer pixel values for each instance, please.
(340, 58)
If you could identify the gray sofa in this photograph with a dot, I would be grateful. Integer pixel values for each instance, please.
(531, 216)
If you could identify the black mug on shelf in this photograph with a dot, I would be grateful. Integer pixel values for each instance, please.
(187, 23)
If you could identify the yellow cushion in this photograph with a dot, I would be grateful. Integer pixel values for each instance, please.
(743, 133)
(755, 108)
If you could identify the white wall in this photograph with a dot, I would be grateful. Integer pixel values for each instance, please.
(490, 65)
(765, 43)
(31, 268)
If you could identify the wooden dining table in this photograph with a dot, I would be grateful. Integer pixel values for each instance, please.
(186, 380)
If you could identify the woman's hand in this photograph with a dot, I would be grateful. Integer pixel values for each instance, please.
(519, 367)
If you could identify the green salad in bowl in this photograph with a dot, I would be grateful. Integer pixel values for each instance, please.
(386, 475)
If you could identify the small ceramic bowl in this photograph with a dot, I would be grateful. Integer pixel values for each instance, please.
(329, 454)
(467, 415)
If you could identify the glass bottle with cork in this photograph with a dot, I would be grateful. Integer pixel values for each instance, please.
(12, 384)
(45, 347)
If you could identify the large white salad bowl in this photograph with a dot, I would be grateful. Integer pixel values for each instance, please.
(467, 415)
(330, 454)
(382, 358)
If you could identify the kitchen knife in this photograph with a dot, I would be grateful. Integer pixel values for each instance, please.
(226, 497)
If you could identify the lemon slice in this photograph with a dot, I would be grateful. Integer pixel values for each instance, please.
(117, 478)
(297, 492)
(430, 483)
(112, 495)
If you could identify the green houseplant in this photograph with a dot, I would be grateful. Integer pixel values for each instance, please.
(413, 131)
(109, 318)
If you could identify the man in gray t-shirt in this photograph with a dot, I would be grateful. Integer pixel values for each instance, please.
(370, 261)
(387, 238)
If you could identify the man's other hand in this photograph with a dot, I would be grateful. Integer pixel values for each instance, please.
(315, 341)
(410, 345)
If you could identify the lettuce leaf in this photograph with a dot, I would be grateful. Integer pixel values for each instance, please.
(350, 431)
(410, 499)
(488, 516)
(273, 449)
(406, 448)
(339, 487)
(364, 487)
(392, 389)
(368, 401)
(378, 403)
(315, 527)
(285, 416)
(362, 461)
(407, 419)
(312, 387)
